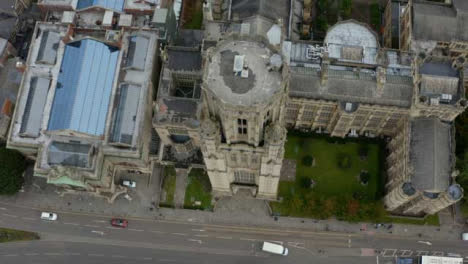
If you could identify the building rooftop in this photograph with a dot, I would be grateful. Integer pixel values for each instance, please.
(136, 55)
(7, 25)
(84, 87)
(184, 59)
(238, 73)
(432, 21)
(69, 154)
(116, 5)
(125, 116)
(272, 9)
(49, 45)
(430, 154)
(348, 85)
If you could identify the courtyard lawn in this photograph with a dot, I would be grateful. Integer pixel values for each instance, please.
(11, 235)
(198, 192)
(332, 185)
(169, 184)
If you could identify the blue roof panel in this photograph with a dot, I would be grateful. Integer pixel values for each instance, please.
(109, 4)
(84, 87)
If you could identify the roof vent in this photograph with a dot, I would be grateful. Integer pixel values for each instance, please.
(238, 64)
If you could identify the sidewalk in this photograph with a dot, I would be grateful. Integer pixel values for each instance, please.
(237, 211)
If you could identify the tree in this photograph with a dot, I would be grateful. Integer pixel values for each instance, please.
(12, 166)
(353, 208)
(345, 8)
(375, 15)
(305, 182)
(364, 176)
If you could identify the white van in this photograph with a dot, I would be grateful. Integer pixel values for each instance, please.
(274, 248)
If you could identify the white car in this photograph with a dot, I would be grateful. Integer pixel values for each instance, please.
(48, 216)
(128, 183)
(465, 236)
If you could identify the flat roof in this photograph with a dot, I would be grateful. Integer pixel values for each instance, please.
(136, 54)
(84, 87)
(257, 86)
(109, 4)
(126, 114)
(35, 104)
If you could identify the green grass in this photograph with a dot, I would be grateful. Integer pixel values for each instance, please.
(10, 235)
(169, 186)
(198, 189)
(429, 220)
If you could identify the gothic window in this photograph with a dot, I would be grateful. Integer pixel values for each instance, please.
(244, 177)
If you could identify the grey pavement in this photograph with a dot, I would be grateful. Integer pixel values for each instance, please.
(181, 185)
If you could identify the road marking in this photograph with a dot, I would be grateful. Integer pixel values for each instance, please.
(178, 234)
(28, 218)
(224, 237)
(91, 225)
(437, 253)
(377, 259)
(421, 252)
(96, 255)
(98, 232)
(2, 208)
(52, 254)
(166, 260)
(247, 239)
(31, 254)
(425, 242)
(349, 243)
(201, 235)
(392, 254)
(296, 245)
(136, 230)
(148, 258)
(75, 254)
(158, 232)
(10, 255)
(195, 240)
(117, 256)
(99, 221)
(75, 224)
(9, 215)
(198, 230)
(405, 254)
(111, 227)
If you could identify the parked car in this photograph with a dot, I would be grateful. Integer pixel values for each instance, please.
(465, 236)
(48, 216)
(129, 183)
(274, 248)
(117, 222)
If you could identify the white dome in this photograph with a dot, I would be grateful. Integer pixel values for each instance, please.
(350, 33)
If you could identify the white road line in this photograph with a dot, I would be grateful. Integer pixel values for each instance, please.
(437, 253)
(75, 224)
(421, 252)
(224, 237)
(179, 234)
(148, 258)
(247, 239)
(392, 254)
(110, 227)
(158, 232)
(201, 235)
(10, 255)
(98, 232)
(52, 254)
(349, 243)
(2, 208)
(296, 245)
(9, 215)
(31, 254)
(405, 254)
(96, 255)
(91, 225)
(75, 254)
(99, 221)
(166, 260)
(195, 240)
(28, 218)
(136, 230)
(117, 256)
(198, 230)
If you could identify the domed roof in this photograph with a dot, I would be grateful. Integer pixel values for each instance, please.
(351, 33)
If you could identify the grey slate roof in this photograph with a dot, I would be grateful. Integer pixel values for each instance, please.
(438, 69)
(189, 38)
(48, 49)
(430, 154)
(137, 50)
(125, 117)
(184, 59)
(32, 117)
(440, 23)
(7, 26)
(272, 9)
(349, 86)
(7, 7)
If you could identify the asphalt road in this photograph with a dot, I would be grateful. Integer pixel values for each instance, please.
(81, 238)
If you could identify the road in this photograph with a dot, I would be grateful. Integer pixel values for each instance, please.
(82, 238)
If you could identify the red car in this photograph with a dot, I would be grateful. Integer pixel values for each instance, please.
(117, 222)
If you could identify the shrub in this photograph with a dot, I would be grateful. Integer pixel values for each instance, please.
(345, 8)
(364, 176)
(305, 182)
(353, 208)
(12, 166)
(375, 15)
(307, 161)
(344, 161)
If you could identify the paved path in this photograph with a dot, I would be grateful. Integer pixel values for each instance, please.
(181, 185)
